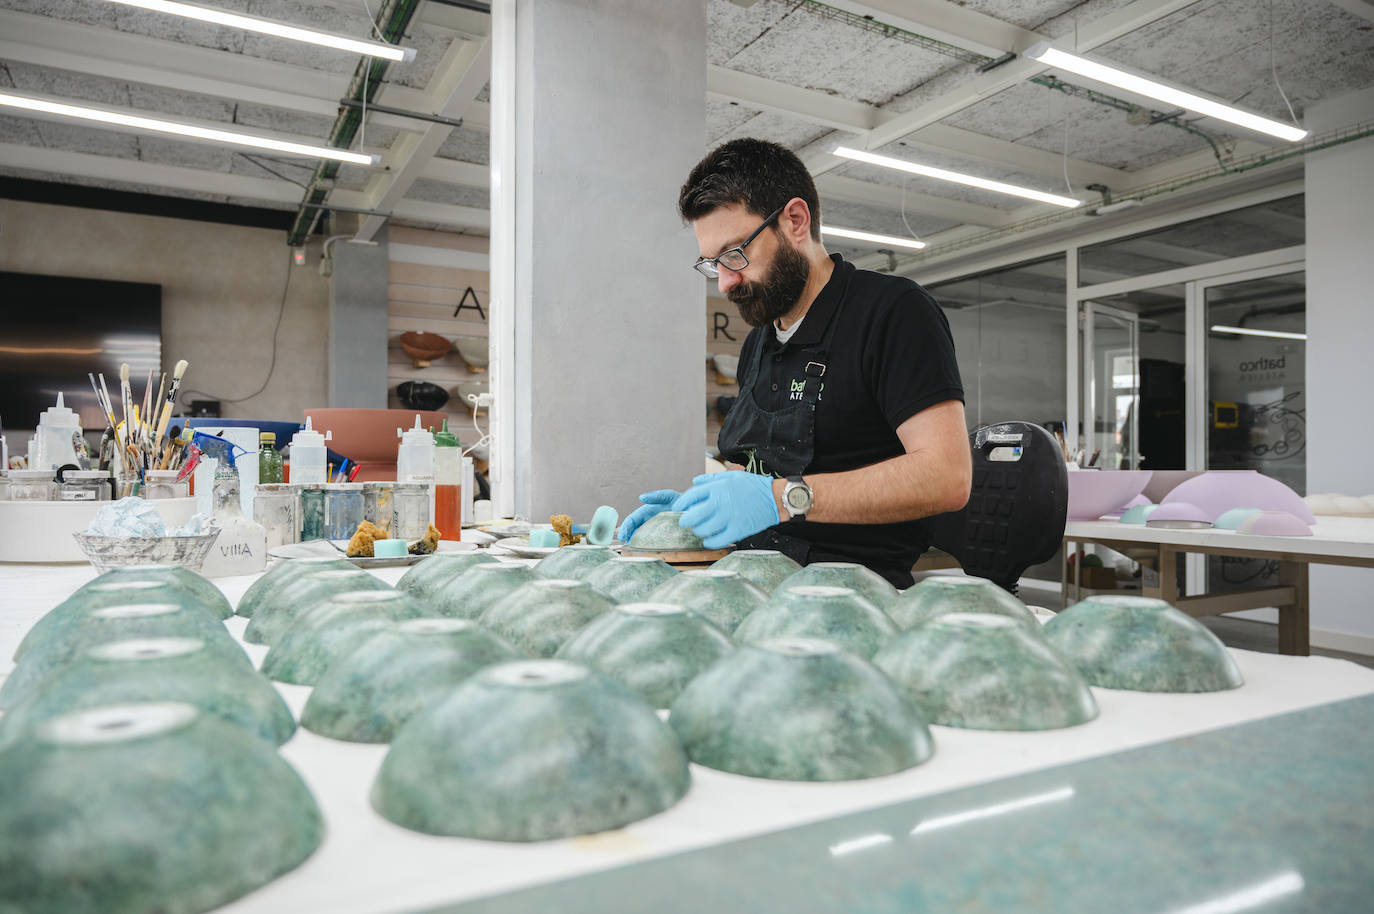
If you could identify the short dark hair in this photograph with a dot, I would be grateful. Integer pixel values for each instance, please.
(760, 175)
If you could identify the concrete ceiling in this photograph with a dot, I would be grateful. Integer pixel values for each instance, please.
(904, 82)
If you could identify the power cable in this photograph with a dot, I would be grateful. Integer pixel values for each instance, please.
(1273, 68)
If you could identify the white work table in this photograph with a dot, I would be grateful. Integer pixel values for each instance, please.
(367, 865)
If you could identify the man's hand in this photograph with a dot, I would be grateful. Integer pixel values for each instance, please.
(652, 503)
(724, 508)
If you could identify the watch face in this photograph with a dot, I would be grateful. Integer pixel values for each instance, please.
(799, 498)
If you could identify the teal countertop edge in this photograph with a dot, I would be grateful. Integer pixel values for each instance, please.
(1276, 815)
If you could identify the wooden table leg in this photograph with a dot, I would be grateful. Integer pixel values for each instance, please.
(1294, 621)
(1168, 574)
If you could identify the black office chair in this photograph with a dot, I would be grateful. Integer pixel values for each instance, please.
(1017, 507)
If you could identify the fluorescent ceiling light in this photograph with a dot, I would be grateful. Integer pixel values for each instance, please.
(194, 131)
(941, 174)
(1150, 88)
(891, 240)
(1247, 331)
(276, 29)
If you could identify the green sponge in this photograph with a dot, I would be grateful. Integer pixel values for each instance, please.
(602, 530)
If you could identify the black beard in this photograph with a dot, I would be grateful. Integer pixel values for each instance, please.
(776, 294)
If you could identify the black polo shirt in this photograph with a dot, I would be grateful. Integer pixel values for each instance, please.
(891, 355)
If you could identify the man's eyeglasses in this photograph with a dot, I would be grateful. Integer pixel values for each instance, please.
(734, 258)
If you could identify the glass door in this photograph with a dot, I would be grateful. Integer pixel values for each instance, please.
(1110, 359)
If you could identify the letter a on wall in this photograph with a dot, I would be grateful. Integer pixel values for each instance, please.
(470, 293)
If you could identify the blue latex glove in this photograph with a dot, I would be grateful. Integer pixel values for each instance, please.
(652, 503)
(724, 508)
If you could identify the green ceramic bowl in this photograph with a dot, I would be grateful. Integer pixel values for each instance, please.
(274, 615)
(764, 568)
(866, 582)
(834, 614)
(281, 573)
(654, 649)
(664, 533)
(100, 593)
(562, 751)
(944, 594)
(128, 809)
(475, 590)
(723, 597)
(986, 672)
(332, 629)
(156, 669)
(539, 616)
(799, 709)
(199, 587)
(630, 578)
(1143, 645)
(573, 562)
(425, 579)
(366, 696)
(117, 623)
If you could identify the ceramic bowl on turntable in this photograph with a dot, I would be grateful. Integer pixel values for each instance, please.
(147, 807)
(1141, 644)
(573, 562)
(1232, 519)
(280, 574)
(942, 595)
(653, 649)
(275, 613)
(477, 589)
(1179, 515)
(866, 582)
(724, 598)
(663, 533)
(835, 614)
(156, 669)
(1216, 491)
(71, 639)
(101, 593)
(475, 350)
(764, 568)
(367, 695)
(334, 628)
(986, 672)
(563, 751)
(630, 578)
(424, 580)
(799, 709)
(539, 616)
(198, 586)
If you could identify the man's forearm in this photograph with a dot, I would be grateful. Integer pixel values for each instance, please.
(902, 488)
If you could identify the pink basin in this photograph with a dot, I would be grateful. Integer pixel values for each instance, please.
(1093, 493)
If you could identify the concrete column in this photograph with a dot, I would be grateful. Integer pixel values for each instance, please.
(357, 324)
(598, 113)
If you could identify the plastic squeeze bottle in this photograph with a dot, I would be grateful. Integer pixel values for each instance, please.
(448, 484)
(52, 442)
(415, 458)
(309, 454)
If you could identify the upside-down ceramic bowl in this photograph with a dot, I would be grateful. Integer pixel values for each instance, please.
(425, 580)
(539, 616)
(764, 568)
(1093, 493)
(332, 629)
(664, 533)
(367, 695)
(630, 578)
(942, 595)
(866, 582)
(799, 709)
(1141, 644)
(198, 586)
(1217, 491)
(835, 614)
(98, 594)
(145, 807)
(282, 573)
(424, 346)
(278, 610)
(475, 350)
(471, 593)
(654, 649)
(725, 598)
(562, 751)
(986, 672)
(573, 562)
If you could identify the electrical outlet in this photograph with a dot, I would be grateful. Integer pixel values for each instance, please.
(484, 400)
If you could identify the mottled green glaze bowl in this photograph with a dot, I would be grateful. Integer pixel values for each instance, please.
(866, 582)
(630, 578)
(562, 751)
(573, 562)
(764, 568)
(944, 594)
(799, 709)
(424, 580)
(281, 573)
(834, 614)
(274, 615)
(116, 623)
(723, 597)
(100, 593)
(332, 629)
(202, 588)
(539, 616)
(664, 533)
(366, 696)
(475, 590)
(156, 669)
(1143, 645)
(986, 672)
(654, 649)
(128, 809)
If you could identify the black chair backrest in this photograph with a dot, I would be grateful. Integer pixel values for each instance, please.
(1017, 507)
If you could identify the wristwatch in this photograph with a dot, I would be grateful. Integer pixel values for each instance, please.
(796, 497)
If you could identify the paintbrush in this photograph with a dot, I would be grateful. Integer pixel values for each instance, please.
(103, 395)
(124, 393)
(148, 407)
(177, 375)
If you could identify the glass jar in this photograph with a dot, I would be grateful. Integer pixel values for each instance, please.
(343, 509)
(312, 511)
(377, 504)
(164, 484)
(84, 485)
(32, 485)
(410, 510)
(275, 506)
(4, 485)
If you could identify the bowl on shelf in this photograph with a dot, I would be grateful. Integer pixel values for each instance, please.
(475, 350)
(1093, 493)
(424, 347)
(421, 395)
(464, 389)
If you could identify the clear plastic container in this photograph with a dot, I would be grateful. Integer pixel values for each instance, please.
(410, 510)
(343, 509)
(309, 455)
(277, 507)
(33, 485)
(163, 484)
(377, 504)
(312, 511)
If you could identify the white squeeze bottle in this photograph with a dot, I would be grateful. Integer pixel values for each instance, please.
(52, 442)
(415, 458)
(309, 454)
